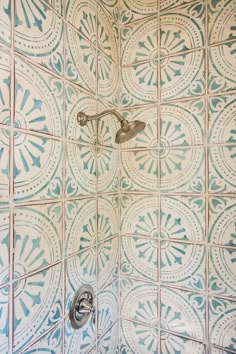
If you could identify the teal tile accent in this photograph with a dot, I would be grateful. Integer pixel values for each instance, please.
(4, 165)
(131, 10)
(4, 319)
(109, 343)
(4, 246)
(181, 345)
(5, 22)
(107, 261)
(5, 82)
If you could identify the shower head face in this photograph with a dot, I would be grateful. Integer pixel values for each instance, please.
(129, 130)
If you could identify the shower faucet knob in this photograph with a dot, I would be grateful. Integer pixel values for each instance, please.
(82, 307)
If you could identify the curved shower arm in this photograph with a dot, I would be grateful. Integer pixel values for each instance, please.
(83, 118)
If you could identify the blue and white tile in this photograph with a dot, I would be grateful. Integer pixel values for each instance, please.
(108, 79)
(109, 343)
(132, 10)
(4, 165)
(37, 306)
(44, 45)
(5, 22)
(183, 312)
(107, 260)
(37, 237)
(5, 83)
(37, 167)
(108, 222)
(4, 246)
(4, 319)
(180, 345)
(107, 169)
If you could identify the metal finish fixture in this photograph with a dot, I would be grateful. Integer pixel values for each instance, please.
(82, 306)
(127, 131)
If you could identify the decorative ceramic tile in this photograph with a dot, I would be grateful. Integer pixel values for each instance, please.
(4, 165)
(183, 312)
(183, 218)
(37, 167)
(132, 10)
(139, 170)
(5, 22)
(139, 42)
(222, 123)
(183, 170)
(38, 100)
(44, 44)
(222, 71)
(108, 169)
(222, 323)
(139, 257)
(4, 246)
(222, 271)
(182, 29)
(81, 60)
(180, 345)
(167, 4)
(139, 215)
(183, 75)
(222, 227)
(139, 84)
(80, 170)
(222, 169)
(107, 259)
(113, 7)
(108, 222)
(107, 126)
(108, 310)
(37, 237)
(108, 79)
(4, 319)
(56, 4)
(221, 20)
(137, 338)
(37, 305)
(5, 82)
(183, 123)
(109, 343)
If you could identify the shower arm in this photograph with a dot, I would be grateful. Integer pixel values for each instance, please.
(83, 118)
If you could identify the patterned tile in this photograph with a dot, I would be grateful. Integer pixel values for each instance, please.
(4, 319)
(44, 45)
(183, 218)
(37, 167)
(37, 237)
(113, 7)
(183, 123)
(38, 100)
(4, 246)
(183, 312)
(222, 227)
(139, 170)
(183, 75)
(108, 169)
(108, 222)
(222, 71)
(180, 345)
(107, 260)
(182, 29)
(5, 22)
(132, 10)
(221, 20)
(107, 126)
(167, 4)
(108, 79)
(222, 169)
(137, 338)
(37, 305)
(222, 323)
(183, 170)
(5, 81)
(139, 257)
(56, 4)
(109, 343)
(4, 164)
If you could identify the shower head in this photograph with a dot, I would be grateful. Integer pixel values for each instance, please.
(129, 130)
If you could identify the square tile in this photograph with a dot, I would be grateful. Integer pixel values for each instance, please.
(222, 169)
(139, 257)
(5, 22)
(183, 170)
(4, 246)
(108, 217)
(37, 167)
(132, 10)
(108, 169)
(4, 319)
(107, 126)
(109, 343)
(4, 165)
(5, 83)
(183, 75)
(37, 305)
(44, 44)
(37, 237)
(107, 261)
(108, 79)
(180, 345)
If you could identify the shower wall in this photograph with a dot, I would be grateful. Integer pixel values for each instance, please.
(178, 177)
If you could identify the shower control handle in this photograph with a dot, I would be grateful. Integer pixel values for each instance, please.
(82, 307)
(86, 308)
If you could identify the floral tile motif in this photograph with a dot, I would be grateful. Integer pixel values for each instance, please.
(46, 32)
(222, 323)
(80, 225)
(183, 265)
(167, 4)
(108, 222)
(139, 170)
(139, 215)
(56, 4)
(222, 271)
(37, 167)
(139, 84)
(182, 29)
(139, 257)
(138, 338)
(222, 227)
(183, 312)
(132, 10)
(222, 71)
(5, 82)
(107, 127)
(139, 42)
(80, 170)
(180, 345)
(107, 169)
(81, 60)
(107, 260)
(182, 218)
(37, 237)
(222, 125)
(4, 319)
(5, 22)
(38, 100)
(4, 165)
(222, 169)
(221, 20)
(37, 305)
(183, 123)
(182, 75)
(4, 246)
(51, 343)
(183, 170)
(109, 343)
(108, 79)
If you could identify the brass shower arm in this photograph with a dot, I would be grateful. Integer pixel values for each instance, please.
(83, 118)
